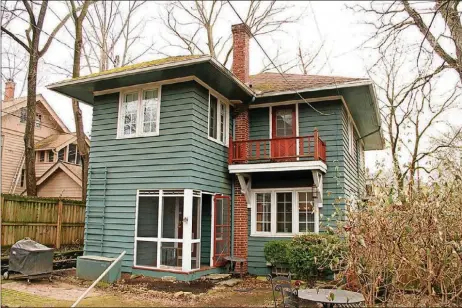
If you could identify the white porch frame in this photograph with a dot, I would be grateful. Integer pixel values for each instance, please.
(187, 240)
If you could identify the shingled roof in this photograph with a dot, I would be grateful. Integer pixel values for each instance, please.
(273, 82)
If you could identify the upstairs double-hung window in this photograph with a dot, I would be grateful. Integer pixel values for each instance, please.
(139, 113)
(218, 120)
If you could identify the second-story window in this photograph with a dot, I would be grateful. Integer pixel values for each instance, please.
(41, 156)
(38, 120)
(51, 156)
(61, 154)
(139, 113)
(23, 117)
(72, 153)
(218, 120)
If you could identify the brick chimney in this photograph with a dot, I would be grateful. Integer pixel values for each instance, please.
(240, 68)
(9, 90)
(241, 38)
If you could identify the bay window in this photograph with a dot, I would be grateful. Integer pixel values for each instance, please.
(139, 113)
(277, 212)
(218, 129)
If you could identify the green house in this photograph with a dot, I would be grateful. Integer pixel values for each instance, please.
(192, 164)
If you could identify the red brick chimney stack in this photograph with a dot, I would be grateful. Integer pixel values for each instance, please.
(9, 90)
(241, 39)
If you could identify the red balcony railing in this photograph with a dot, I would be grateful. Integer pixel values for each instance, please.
(284, 149)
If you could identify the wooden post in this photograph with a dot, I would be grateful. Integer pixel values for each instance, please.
(59, 224)
(316, 144)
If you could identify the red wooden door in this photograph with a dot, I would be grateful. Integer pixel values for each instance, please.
(222, 235)
(283, 143)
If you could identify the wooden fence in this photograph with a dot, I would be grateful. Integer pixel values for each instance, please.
(51, 222)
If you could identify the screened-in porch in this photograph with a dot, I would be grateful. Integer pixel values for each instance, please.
(181, 230)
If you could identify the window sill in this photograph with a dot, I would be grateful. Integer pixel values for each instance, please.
(137, 136)
(281, 235)
(217, 141)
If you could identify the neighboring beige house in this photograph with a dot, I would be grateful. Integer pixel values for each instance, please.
(58, 165)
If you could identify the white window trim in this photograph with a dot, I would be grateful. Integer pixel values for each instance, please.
(219, 103)
(139, 110)
(351, 136)
(295, 221)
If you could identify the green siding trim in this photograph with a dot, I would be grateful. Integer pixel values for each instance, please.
(179, 276)
(181, 157)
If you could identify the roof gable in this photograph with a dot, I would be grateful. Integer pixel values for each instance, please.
(12, 106)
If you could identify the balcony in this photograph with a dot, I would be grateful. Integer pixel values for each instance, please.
(285, 149)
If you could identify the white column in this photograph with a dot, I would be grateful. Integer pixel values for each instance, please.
(187, 230)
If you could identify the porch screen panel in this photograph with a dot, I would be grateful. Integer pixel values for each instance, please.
(148, 211)
(222, 241)
(172, 217)
(146, 254)
(284, 212)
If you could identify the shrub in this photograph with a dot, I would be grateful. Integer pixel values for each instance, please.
(309, 255)
(276, 252)
(315, 255)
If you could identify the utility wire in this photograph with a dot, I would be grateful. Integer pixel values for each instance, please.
(277, 68)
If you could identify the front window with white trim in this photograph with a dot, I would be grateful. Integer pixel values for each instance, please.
(218, 120)
(139, 113)
(284, 212)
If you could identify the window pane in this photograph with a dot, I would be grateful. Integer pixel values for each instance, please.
(38, 120)
(284, 212)
(223, 122)
(129, 113)
(148, 211)
(306, 212)
(263, 212)
(150, 105)
(51, 156)
(72, 153)
(213, 117)
(170, 254)
(41, 156)
(284, 122)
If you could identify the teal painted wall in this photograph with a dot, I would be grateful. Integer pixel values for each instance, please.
(331, 130)
(355, 171)
(206, 229)
(181, 157)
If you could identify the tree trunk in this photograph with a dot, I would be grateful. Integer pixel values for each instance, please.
(29, 133)
(81, 142)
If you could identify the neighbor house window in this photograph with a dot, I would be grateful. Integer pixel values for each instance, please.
(38, 120)
(218, 120)
(72, 153)
(23, 117)
(61, 154)
(139, 113)
(284, 213)
(41, 156)
(51, 156)
(23, 177)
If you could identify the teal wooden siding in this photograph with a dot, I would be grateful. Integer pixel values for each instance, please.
(181, 157)
(354, 171)
(330, 128)
(206, 234)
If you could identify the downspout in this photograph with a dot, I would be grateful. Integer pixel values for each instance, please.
(232, 185)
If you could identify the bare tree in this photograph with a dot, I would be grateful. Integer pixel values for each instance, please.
(36, 50)
(411, 110)
(78, 42)
(396, 18)
(112, 33)
(14, 64)
(192, 24)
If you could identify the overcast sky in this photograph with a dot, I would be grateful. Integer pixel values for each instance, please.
(341, 30)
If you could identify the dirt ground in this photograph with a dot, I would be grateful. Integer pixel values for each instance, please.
(136, 291)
